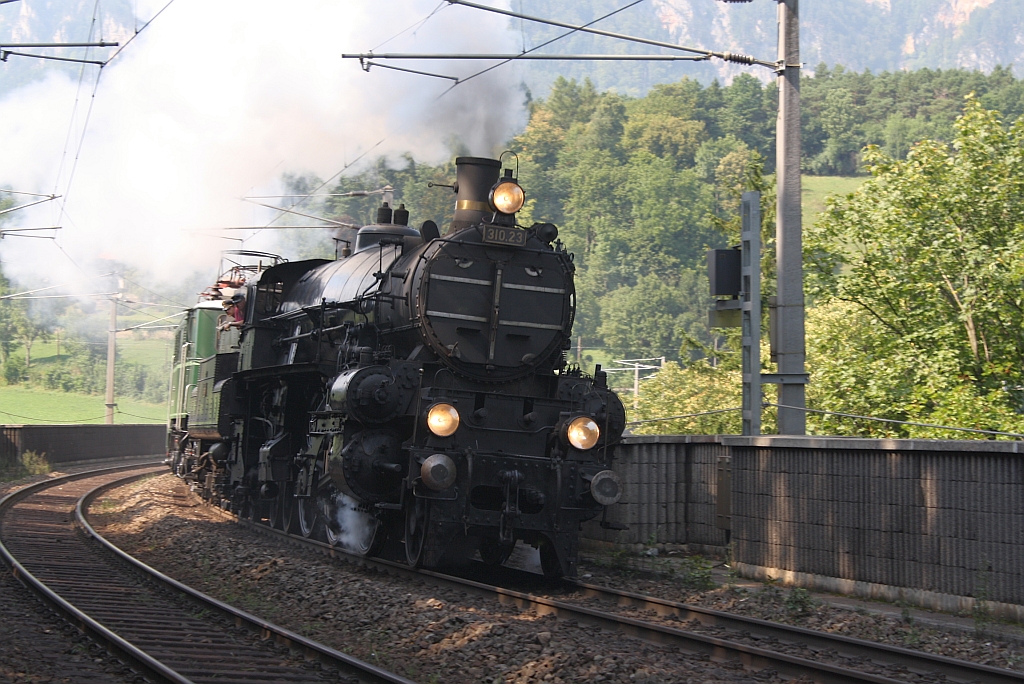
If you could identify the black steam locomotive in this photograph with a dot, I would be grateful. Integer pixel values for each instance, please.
(413, 392)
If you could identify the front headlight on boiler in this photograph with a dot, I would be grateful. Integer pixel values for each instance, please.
(443, 419)
(582, 432)
(507, 197)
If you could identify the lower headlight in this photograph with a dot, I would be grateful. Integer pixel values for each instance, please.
(606, 488)
(583, 432)
(442, 419)
(438, 472)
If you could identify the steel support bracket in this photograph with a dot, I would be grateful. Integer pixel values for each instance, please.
(785, 378)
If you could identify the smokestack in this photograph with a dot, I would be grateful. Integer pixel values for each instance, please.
(475, 176)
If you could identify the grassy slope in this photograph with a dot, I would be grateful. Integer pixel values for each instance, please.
(18, 406)
(817, 188)
(153, 353)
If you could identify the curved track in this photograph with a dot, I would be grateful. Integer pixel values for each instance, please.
(162, 628)
(860, 660)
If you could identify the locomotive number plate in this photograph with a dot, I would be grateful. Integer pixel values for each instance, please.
(505, 236)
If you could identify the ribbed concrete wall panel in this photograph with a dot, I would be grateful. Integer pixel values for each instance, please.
(916, 518)
(929, 515)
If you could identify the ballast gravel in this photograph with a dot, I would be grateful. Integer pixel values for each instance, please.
(982, 644)
(420, 631)
(37, 646)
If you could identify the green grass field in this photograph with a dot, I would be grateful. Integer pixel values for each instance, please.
(817, 188)
(154, 353)
(19, 406)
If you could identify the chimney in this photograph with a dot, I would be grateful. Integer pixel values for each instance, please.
(475, 176)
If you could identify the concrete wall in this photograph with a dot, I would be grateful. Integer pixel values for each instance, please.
(945, 518)
(940, 516)
(69, 443)
(668, 492)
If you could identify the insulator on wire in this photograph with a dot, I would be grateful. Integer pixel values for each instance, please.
(739, 59)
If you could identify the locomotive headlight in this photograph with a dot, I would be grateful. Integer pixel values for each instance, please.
(606, 487)
(582, 432)
(438, 472)
(507, 197)
(442, 419)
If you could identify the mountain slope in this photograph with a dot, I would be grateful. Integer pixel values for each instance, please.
(880, 35)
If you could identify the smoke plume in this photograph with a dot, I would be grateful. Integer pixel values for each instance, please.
(214, 101)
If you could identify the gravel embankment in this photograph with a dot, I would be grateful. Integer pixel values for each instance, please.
(419, 631)
(431, 634)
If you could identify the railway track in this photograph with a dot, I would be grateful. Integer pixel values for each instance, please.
(757, 644)
(163, 629)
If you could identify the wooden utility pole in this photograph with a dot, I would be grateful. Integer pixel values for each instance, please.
(788, 230)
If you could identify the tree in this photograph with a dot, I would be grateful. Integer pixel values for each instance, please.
(925, 265)
(28, 330)
(841, 144)
(656, 316)
(7, 329)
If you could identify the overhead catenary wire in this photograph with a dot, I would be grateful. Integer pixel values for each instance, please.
(52, 287)
(64, 296)
(74, 108)
(149, 323)
(50, 420)
(685, 415)
(898, 422)
(458, 81)
(133, 415)
(71, 127)
(547, 42)
(726, 56)
(155, 294)
(85, 125)
(20, 192)
(289, 210)
(416, 24)
(81, 143)
(317, 189)
(137, 32)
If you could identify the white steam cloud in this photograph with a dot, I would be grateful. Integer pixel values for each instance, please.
(215, 100)
(355, 527)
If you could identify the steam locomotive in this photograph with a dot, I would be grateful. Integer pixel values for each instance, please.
(413, 392)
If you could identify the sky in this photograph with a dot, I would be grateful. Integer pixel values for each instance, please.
(214, 101)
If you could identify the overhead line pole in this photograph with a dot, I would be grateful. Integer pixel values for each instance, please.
(790, 348)
(111, 355)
